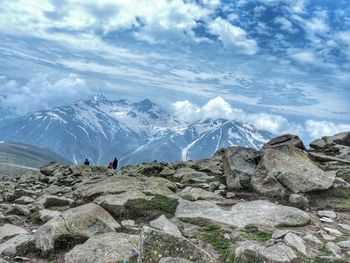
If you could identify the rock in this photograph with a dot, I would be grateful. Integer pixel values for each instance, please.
(340, 183)
(345, 227)
(289, 168)
(75, 224)
(318, 144)
(230, 195)
(104, 248)
(3, 260)
(46, 215)
(115, 203)
(128, 223)
(311, 238)
(250, 251)
(326, 220)
(49, 201)
(155, 244)
(327, 237)
(295, 242)
(9, 247)
(298, 200)
(167, 172)
(119, 184)
(334, 249)
(194, 194)
(16, 209)
(333, 232)
(285, 140)
(8, 230)
(259, 212)
(189, 175)
(24, 200)
(163, 224)
(173, 260)
(278, 233)
(344, 244)
(239, 165)
(327, 213)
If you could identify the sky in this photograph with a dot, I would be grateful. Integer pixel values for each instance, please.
(283, 65)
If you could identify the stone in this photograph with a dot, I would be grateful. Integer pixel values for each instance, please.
(280, 233)
(250, 251)
(212, 166)
(155, 244)
(24, 200)
(340, 183)
(327, 237)
(104, 248)
(313, 239)
(3, 260)
(128, 223)
(295, 242)
(345, 227)
(326, 220)
(173, 260)
(327, 213)
(289, 168)
(9, 247)
(163, 224)
(16, 209)
(336, 250)
(46, 215)
(194, 194)
(8, 230)
(230, 195)
(344, 244)
(285, 140)
(49, 201)
(298, 200)
(333, 232)
(259, 212)
(239, 165)
(189, 175)
(77, 224)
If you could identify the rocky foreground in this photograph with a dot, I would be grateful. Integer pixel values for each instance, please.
(280, 204)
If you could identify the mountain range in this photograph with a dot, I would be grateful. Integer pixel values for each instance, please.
(100, 129)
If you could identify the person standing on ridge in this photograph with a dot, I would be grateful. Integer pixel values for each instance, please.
(110, 165)
(86, 162)
(115, 164)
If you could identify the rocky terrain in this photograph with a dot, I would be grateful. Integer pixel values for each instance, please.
(277, 205)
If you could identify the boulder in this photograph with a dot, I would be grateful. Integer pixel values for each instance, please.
(295, 242)
(313, 239)
(119, 184)
(163, 224)
(344, 244)
(289, 168)
(46, 215)
(3, 260)
(173, 260)
(239, 165)
(9, 247)
(211, 166)
(250, 251)
(194, 194)
(327, 213)
(75, 225)
(189, 175)
(259, 212)
(104, 248)
(8, 230)
(336, 250)
(155, 244)
(286, 139)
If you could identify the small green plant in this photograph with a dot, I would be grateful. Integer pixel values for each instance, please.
(262, 236)
(26, 248)
(250, 228)
(212, 227)
(35, 217)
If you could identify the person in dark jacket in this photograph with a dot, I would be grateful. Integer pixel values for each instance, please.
(110, 165)
(115, 164)
(87, 162)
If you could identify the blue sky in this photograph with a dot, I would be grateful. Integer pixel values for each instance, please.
(281, 64)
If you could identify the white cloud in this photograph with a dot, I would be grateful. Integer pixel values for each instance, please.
(233, 37)
(41, 93)
(317, 129)
(285, 24)
(219, 108)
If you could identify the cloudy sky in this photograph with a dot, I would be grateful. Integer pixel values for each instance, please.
(282, 64)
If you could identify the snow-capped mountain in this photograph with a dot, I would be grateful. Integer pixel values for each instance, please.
(100, 129)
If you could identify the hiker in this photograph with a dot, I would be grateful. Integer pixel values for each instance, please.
(115, 164)
(110, 166)
(86, 162)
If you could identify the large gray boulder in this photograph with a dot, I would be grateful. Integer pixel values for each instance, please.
(239, 165)
(286, 139)
(162, 223)
(260, 212)
(288, 168)
(189, 175)
(104, 248)
(75, 225)
(250, 251)
(155, 244)
(9, 230)
(194, 194)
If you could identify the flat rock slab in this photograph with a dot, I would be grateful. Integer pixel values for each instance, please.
(162, 223)
(80, 223)
(9, 230)
(10, 246)
(260, 212)
(105, 248)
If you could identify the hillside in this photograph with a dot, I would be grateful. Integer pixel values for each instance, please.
(281, 204)
(100, 129)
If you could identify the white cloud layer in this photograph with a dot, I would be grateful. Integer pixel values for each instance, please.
(317, 129)
(41, 93)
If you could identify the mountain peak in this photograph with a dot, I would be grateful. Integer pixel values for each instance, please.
(144, 105)
(99, 98)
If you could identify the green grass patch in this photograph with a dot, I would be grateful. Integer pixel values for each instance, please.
(262, 236)
(148, 209)
(214, 235)
(35, 217)
(252, 232)
(27, 248)
(337, 199)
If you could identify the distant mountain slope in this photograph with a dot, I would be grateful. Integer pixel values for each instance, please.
(17, 158)
(100, 129)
